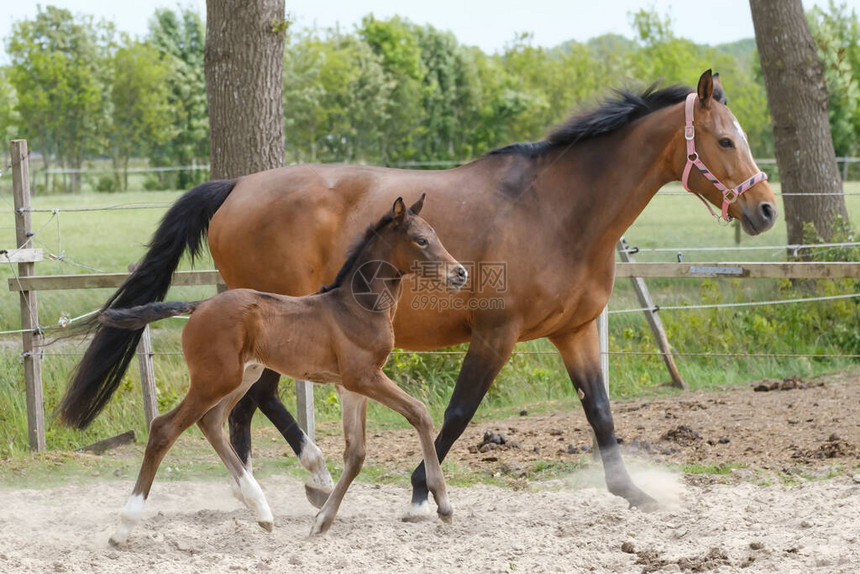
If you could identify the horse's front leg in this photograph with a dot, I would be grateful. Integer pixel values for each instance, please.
(581, 354)
(487, 354)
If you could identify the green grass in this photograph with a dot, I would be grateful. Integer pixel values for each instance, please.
(110, 240)
(694, 468)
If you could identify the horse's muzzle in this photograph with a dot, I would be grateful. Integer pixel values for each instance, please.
(759, 218)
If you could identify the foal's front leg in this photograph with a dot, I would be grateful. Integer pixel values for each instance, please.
(354, 409)
(380, 388)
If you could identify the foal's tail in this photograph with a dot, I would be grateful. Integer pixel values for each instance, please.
(99, 373)
(140, 316)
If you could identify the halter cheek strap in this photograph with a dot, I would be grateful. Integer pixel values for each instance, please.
(729, 195)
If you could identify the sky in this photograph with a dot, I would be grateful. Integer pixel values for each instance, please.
(489, 24)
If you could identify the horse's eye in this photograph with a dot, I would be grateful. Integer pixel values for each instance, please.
(421, 242)
(726, 143)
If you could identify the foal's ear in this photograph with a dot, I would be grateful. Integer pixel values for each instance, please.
(415, 208)
(398, 212)
(719, 91)
(706, 88)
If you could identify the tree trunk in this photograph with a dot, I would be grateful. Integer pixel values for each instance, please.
(244, 69)
(797, 97)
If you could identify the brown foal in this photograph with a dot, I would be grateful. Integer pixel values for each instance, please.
(343, 334)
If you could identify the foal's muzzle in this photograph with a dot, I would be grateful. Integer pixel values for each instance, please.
(457, 276)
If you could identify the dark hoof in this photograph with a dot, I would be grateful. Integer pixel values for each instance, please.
(644, 503)
(636, 497)
(316, 495)
(447, 518)
(267, 526)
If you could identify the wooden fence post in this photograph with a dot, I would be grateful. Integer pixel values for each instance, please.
(305, 407)
(603, 336)
(653, 318)
(147, 371)
(29, 306)
(147, 376)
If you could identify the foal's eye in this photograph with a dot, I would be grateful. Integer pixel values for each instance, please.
(421, 242)
(727, 143)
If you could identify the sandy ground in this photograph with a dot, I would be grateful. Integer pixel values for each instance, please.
(191, 527)
(792, 506)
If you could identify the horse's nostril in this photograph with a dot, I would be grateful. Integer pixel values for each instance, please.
(461, 272)
(767, 211)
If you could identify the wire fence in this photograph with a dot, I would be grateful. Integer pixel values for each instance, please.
(65, 320)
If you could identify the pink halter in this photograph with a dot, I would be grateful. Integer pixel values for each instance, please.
(729, 195)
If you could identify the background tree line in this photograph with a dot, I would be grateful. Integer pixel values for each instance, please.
(388, 92)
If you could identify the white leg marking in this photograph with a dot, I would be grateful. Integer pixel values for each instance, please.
(129, 517)
(237, 492)
(417, 512)
(312, 459)
(255, 499)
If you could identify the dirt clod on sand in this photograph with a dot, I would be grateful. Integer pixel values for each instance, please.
(683, 435)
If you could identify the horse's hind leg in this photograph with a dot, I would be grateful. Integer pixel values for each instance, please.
(212, 425)
(265, 393)
(240, 427)
(581, 355)
(354, 409)
(163, 432)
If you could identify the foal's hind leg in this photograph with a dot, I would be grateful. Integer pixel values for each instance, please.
(354, 409)
(264, 395)
(163, 432)
(212, 425)
(318, 488)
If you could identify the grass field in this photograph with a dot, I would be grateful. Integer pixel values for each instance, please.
(110, 240)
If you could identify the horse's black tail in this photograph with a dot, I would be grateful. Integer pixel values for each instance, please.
(140, 316)
(99, 373)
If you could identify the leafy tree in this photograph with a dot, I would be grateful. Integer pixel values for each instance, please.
(395, 41)
(180, 40)
(9, 119)
(837, 34)
(57, 61)
(337, 108)
(304, 117)
(141, 117)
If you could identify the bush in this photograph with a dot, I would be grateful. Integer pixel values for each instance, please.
(106, 184)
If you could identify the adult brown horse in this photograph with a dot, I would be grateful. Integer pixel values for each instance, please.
(551, 212)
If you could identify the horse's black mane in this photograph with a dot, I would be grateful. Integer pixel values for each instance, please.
(355, 251)
(617, 111)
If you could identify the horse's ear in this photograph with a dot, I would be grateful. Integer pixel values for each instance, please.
(398, 211)
(706, 88)
(719, 91)
(415, 208)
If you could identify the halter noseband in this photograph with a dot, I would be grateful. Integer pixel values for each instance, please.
(729, 195)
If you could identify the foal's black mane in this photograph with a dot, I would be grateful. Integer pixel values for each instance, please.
(617, 111)
(352, 255)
